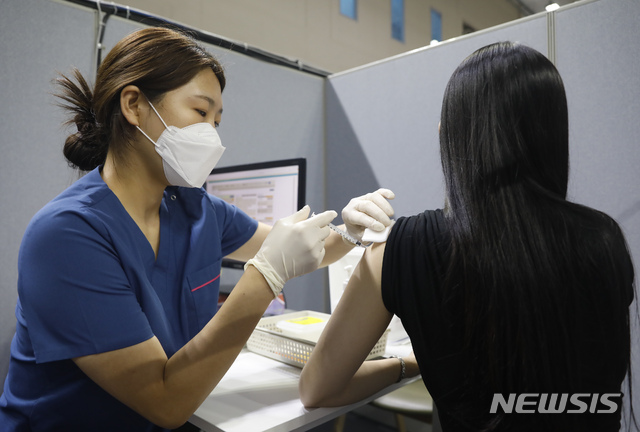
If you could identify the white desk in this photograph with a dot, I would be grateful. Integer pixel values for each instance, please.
(260, 394)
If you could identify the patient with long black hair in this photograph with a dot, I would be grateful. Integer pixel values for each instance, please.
(508, 290)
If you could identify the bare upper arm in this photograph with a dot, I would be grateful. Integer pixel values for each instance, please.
(357, 323)
(361, 309)
(252, 246)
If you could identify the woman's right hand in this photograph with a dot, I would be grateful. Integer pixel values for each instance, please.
(411, 365)
(295, 246)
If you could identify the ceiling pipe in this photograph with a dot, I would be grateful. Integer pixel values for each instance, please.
(524, 9)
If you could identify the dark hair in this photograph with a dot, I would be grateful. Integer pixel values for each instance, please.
(156, 60)
(518, 261)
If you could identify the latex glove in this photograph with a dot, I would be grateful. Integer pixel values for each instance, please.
(295, 246)
(371, 211)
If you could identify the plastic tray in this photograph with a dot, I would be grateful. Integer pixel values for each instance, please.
(268, 340)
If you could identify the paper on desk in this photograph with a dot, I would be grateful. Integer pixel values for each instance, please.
(397, 334)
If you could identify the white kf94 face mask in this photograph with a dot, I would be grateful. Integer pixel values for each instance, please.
(188, 154)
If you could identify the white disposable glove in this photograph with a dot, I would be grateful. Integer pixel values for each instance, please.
(295, 246)
(371, 211)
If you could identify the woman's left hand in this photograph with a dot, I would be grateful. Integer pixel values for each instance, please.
(371, 211)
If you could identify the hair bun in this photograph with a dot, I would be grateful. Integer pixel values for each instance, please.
(87, 148)
(82, 151)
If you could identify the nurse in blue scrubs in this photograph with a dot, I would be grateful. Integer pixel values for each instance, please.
(117, 327)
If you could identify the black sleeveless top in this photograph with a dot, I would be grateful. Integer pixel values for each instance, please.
(414, 266)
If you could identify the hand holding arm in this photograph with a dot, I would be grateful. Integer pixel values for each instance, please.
(371, 211)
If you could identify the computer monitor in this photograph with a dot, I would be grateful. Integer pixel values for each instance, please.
(266, 191)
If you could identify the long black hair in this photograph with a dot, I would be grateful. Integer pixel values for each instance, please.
(533, 273)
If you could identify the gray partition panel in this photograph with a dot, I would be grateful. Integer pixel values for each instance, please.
(598, 55)
(382, 119)
(36, 39)
(601, 72)
(270, 112)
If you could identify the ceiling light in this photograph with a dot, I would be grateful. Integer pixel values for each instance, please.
(552, 6)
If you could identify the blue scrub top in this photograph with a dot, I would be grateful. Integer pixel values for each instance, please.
(89, 282)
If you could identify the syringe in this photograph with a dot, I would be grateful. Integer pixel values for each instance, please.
(346, 235)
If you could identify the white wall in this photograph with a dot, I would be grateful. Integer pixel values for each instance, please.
(315, 32)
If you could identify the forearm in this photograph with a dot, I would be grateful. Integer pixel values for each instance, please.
(335, 248)
(194, 371)
(317, 390)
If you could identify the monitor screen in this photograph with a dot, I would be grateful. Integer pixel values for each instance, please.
(266, 191)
